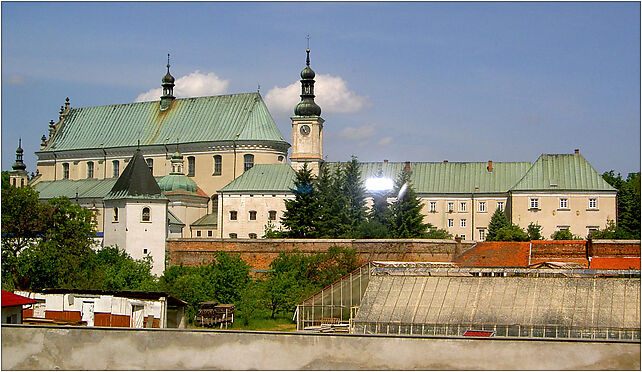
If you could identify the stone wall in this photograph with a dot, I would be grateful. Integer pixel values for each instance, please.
(259, 253)
(92, 348)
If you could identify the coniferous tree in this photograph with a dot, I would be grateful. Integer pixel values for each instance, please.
(497, 221)
(301, 214)
(355, 195)
(333, 218)
(406, 219)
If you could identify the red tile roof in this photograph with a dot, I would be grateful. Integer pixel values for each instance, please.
(495, 254)
(11, 299)
(615, 263)
(470, 333)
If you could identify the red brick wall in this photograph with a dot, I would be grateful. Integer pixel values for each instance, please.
(551, 249)
(615, 248)
(259, 253)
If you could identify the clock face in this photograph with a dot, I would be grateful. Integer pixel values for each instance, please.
(305, 130)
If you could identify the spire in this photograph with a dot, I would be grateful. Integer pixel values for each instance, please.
(307, 106)
(168, 88)
(136, 181)
(19, 165)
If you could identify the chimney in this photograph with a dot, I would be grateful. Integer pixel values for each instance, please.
(407, 166)
(577, 151)
(385, 160)
(490, 166)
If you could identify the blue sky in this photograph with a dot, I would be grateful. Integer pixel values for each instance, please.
(397, 81)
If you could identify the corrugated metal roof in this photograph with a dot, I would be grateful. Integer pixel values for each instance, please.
(217, 118)
(173, 220)
(86, 188)
(136, 181)
(207, 220)
(264, 177)
(452, 177)
(562, 172)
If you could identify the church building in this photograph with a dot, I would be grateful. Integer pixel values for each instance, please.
(219, 170)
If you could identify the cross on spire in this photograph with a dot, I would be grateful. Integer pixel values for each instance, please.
(167, 62)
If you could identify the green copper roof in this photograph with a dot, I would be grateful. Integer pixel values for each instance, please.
(173, 220)
(86, 188)
(562, 172)
(207, 220)
(451, 177)
(218, 118)
(177, 182)
(264, 177)
(136, 181)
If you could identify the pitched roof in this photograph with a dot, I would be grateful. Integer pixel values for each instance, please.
(263, 178)
(207, 220)
(615, 263)
(12, 299)
(562, 172)
(495, 254)
(136, 181)
(173, 220)
(451, 177)
(200, 119)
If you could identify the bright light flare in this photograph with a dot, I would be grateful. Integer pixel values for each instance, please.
(379, 184)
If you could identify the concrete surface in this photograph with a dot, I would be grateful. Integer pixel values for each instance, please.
(47, 347)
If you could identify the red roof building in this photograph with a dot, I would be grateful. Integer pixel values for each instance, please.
(11, 299)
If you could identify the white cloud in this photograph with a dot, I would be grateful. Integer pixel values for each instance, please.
(332, 95)
(385, 141)
(353, 133)
(195, 84)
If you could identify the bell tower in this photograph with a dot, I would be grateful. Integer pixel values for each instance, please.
(18, 176)
(307, 125)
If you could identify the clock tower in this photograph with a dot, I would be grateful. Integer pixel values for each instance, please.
(307, 125)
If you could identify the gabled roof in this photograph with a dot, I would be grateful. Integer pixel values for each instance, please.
(562, 172)
(263, 178)
(207, 220)
(200, 119)
(12, 299)
(173, 220)
(451, 177)
(136, 181)
(495, 254)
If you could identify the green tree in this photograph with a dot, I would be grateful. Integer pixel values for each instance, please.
(191, 284)
(301, 214)
(564, 234)
(406, 219)
(628, 203)
(333, 219)
(435, 233)
(534, 231)
(379, 216)
(497, 221)
(115, 269)
(355, 195)
(326, 268)
(611, 231)
(511, 233)
(287, 282)
(5, 180)
(230, 276)
(251, 302)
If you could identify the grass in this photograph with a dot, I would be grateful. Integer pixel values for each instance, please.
(281, 324)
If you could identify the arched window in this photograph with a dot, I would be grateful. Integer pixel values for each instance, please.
(191, 166)
(252, 215)
(218, 165)
(150, 164)
(65, 171)
(115, 214)
(146, 214)
(249, 161)
(272, 215)
(90, 169)
(116, 166)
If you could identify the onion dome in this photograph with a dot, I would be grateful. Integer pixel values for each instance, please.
(307, 106)
(19, 165)
(177, 182)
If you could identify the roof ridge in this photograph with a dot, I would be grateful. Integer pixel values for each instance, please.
(157, 101)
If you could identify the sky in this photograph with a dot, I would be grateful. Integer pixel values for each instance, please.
(398, 81)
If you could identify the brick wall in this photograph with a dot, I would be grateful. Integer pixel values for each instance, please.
(259, 253)
(614, 248)
(555, 249)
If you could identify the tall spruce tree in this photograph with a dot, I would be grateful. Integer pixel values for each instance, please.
(406, 219)
(355, 195)
(333, 218)
(497, 221)
(301, 214)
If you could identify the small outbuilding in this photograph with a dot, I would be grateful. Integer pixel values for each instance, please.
(12, 305)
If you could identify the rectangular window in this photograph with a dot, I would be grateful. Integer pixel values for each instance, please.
(150, 165)
(218, 165)
(463, 236)
(462, 206)
(451, 222)
(482, 206)
(248, 160)
(233, 215)
(451, 206)
(500, 206)
(563, 203)
(198, 233)
(433, 206)
(592, 203)
(272, 215)
(482, 234)
(90, 169)
(462, 222)
(252, 235)
(233, 235)
(534, 203)
(209, 233)
(252, 215)
(65, 171)
(115, 214)
(116, 168)
(191, 166)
